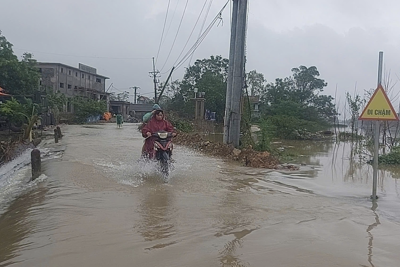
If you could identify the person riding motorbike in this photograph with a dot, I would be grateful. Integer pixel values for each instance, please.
(155, 124)
(148, 115)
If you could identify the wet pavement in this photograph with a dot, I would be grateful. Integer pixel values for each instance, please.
(97, 205)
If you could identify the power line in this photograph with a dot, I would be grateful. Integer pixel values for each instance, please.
(202, 37)
(66, 55)
(200, 40)
(198, 18)
(173, 15)
(162, 34)
(202, 27)
(176, 35)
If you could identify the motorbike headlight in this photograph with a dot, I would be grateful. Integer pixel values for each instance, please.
(163, 135)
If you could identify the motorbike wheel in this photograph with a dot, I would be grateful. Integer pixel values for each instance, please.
(164, 164)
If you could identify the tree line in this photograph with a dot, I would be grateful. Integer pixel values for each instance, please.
(292, 106)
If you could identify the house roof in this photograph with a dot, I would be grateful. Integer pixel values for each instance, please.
(60, 64)
(141, 107)
(117, 102)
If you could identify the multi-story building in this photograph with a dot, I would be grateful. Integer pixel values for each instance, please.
(70, 81)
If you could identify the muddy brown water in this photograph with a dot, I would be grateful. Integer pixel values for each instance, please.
(97, 205)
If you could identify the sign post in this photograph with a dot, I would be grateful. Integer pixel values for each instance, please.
(378, 109)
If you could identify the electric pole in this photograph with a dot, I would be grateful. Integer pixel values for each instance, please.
(236, 73)
(134, 94)
(155, 75)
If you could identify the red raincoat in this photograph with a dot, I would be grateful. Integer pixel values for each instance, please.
(153, 126)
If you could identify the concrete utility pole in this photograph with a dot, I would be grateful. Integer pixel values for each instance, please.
(155, 75)
(134, 93)
(235, 73)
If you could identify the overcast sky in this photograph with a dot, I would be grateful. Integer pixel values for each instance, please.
(119, 38)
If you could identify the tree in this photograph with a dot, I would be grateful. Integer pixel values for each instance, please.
(19, 78)
(18, 113)
(56, 102)
(256, 83)
(306, 83)
(294, 104)
(85, 108)
(207, 75)
(124, 96)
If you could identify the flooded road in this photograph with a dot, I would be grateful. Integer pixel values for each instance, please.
(97, 205)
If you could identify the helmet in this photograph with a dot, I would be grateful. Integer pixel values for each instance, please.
(156, 107)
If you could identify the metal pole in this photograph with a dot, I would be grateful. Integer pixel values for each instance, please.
(238, 74)
(165, 85)
(228, 111)
(134, 95)
(376, 135)
(155, 81)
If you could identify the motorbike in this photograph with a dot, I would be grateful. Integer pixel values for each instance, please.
(163, 147)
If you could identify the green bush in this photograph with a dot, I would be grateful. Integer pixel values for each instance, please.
(288, 127)
(392, 158)
(180, 124)
(264, 137)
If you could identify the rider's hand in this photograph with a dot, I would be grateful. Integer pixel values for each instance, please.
(148, 134)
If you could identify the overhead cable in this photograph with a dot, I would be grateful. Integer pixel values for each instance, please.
(202, 26)
(176, 35)
(198, 18)
(162, 34)
(202, 37)
(66, 55)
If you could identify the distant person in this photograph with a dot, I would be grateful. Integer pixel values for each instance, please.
(149, 115)
(120, 120)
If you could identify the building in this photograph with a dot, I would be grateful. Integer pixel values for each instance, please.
(144, 100)
(120, 107)
(70, 81)
(255, 106)
(254, 102)
(138, 110)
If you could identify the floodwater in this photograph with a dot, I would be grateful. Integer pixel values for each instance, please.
(96, 205)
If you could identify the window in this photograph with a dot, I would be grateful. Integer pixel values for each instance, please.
(61, 85)
(76, 74)
(83, 75)
(88, 77)
(98, 80)
(62, 70)
(69, 86)
(69, 72)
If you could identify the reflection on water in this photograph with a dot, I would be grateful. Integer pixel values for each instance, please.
(156, 214)
(16, 224)
(235, 219)
(340, 165)
(369, 230)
